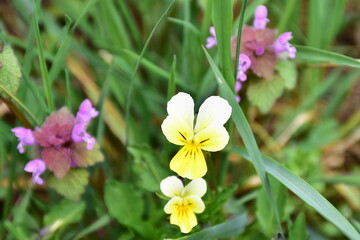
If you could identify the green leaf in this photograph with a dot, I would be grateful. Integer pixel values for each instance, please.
(98, 224)
(16, 231)
(127, 207)
(85, 157)
(287, 71)
(345, 179)
(298, 229)
(224, 230)
(65, 212)
(264, 93)
(72, 185)
(147, 167)
(61, 215)
(264, 213)
(10, 72)
(316, 54)
(306, 192)
(222, 19)
(221, 198)
(123, 203)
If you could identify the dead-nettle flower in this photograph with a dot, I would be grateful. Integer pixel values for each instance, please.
(244, 65)
(25, 136)
(211, 41)
(184, 201)
(260, 17)
(260, 45)
(62, 141)
(208, 134)
(282, 45)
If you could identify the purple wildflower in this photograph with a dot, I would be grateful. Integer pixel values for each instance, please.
(79, 135)
(84, 115)
(282, 45)
(238, 86)
(260, 17)
(86, 112)
(36, 167)
(244, 65)
(63, 142)
(211, 41)
(257, 44)
(25, 137)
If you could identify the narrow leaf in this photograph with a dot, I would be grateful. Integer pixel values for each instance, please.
(227, 229)
(316, 54)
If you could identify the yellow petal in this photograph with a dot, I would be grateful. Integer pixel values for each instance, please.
(173, 204)
(213, 138)
(195, 203)
(177, 130)
(182, 106)
(189, 162)
(185, 218)
(214, 111)
(195, 187)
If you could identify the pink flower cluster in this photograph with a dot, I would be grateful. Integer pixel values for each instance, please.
(260, 49)
(62, 141)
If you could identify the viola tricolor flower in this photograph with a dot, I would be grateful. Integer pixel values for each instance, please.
(184, 201)
(209, 134)
(62, 141)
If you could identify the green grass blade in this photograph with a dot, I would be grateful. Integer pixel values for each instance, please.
(186, 24)
(68, 95)
(306, 192)
(346, 179)
(43, 68)
(98, 224)
(285, 17)
(82, 14)
(147, 64)
(58, 62)
(241, 23)
(340, 92)
(100, 105)
(132, 79)
(21, 105)
(315, 23)
(247, 136)
(172, 80)
(316, 54)
(227, 229)
(222, 19)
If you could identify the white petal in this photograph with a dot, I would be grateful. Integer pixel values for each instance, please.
(215, 110)
(195, 187)
(195, 203)
(182, 106)
(213, 138)
(173, 205)
(171, 186)
(177, 130)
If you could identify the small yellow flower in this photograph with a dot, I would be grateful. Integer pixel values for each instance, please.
(209, 133)
(184, 202)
